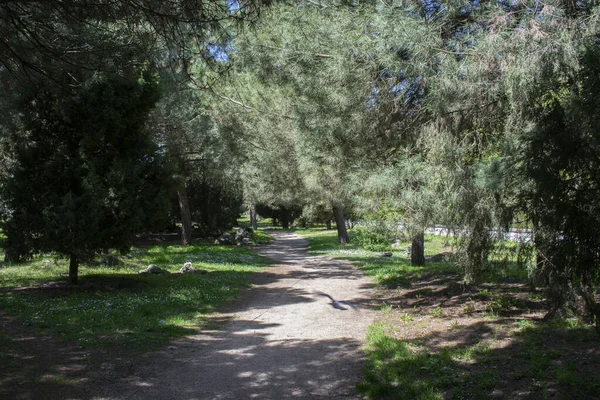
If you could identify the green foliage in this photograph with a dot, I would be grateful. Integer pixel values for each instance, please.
(56, 41)
(116, 306)
(318, 213)
(370, 239)
(557, 184)
(86, 175)
(285, 216)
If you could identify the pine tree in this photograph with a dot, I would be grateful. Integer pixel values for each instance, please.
(86, 175)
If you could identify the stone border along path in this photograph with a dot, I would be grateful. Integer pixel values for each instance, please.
(297, 333)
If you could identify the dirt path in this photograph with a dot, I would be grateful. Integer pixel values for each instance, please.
(296, 334)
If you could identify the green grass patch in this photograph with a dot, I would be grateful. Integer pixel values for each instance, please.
(117, 306)
(398, 369)
(391, 272)
(396, 271)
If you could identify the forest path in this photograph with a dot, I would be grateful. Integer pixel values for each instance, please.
(297, 333)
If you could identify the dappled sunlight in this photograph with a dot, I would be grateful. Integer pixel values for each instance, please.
(259, 368)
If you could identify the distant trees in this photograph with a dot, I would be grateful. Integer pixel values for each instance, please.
(206, 170)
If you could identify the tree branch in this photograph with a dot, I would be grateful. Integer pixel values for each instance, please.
(247, 107)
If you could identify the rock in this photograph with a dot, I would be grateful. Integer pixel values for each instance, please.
(496, 394)
(245, 242)
(111, 260)
(187, 268)
(243, 236)
(243, 233)
(224, 239)
(46, 263)
(153, 269)
(386, 254)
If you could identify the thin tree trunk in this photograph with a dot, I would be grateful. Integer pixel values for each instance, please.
(73, 269)
(253, 222)
(328, 224)
(285, 219)
(417, 249)
(340, 222)
(186, 217)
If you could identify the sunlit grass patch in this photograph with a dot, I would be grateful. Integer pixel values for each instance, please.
(117, 306)
(398, 370)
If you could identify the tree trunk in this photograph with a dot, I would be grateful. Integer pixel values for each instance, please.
(186, 217)
(417, 249)
(73, 269)
(253, 222)
(340, 222)
(285, 219)
(328, 224)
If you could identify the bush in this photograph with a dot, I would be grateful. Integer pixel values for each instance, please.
(372, 239)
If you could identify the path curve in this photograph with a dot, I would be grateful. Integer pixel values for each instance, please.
(297, 333)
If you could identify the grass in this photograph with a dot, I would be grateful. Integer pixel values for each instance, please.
(391, 272)
(260, 237)
(408, 369)
(114, 306)
(484, 342)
